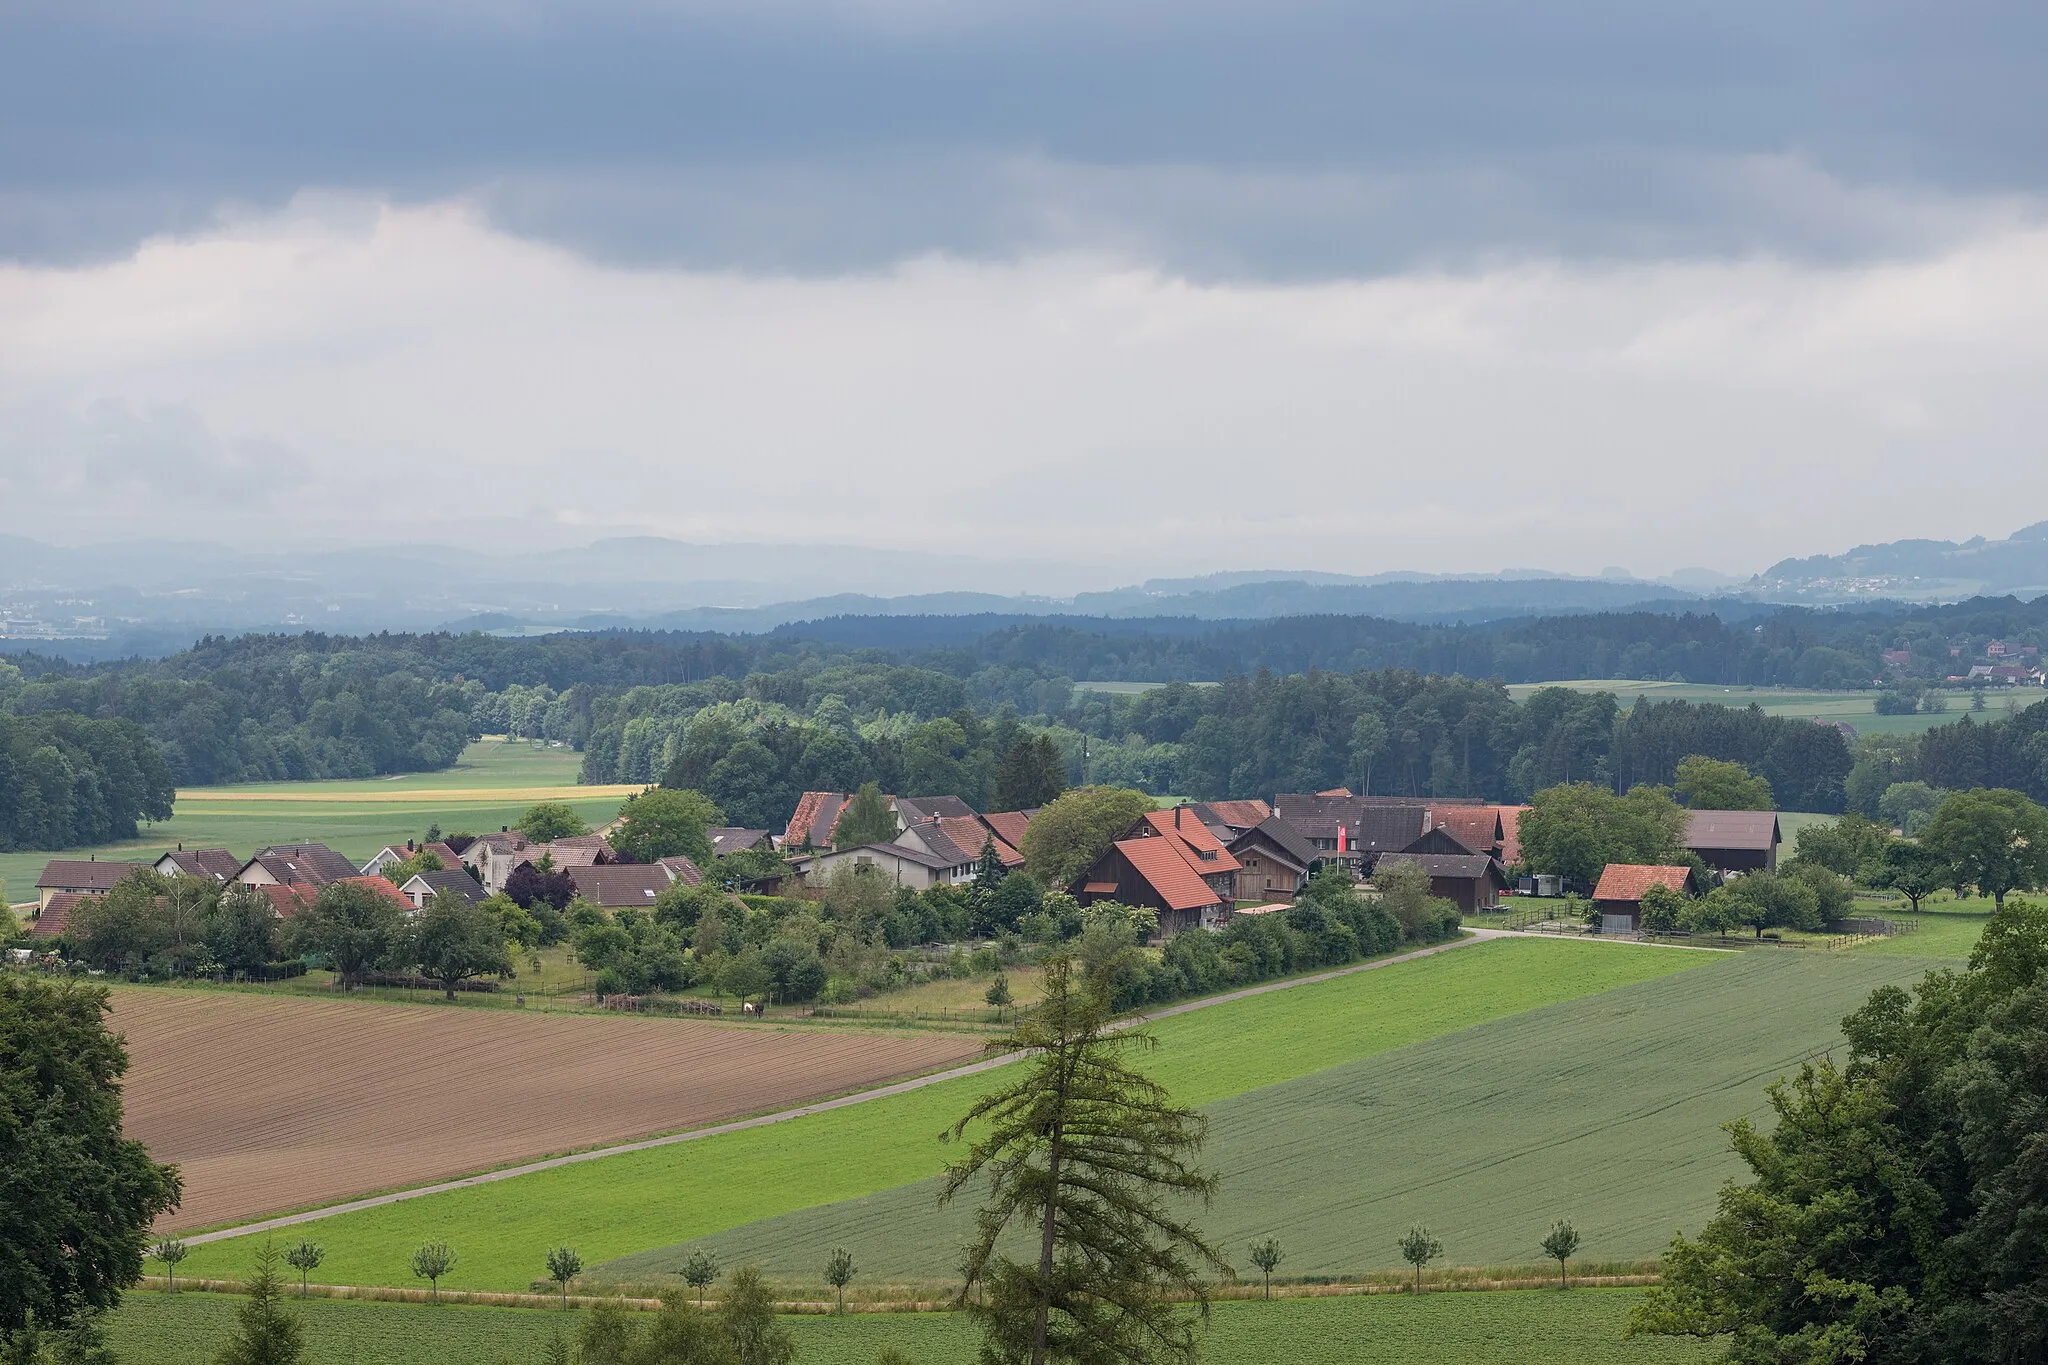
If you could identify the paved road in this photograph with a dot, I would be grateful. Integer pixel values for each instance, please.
(801, 1111)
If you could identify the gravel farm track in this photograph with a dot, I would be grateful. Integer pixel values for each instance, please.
(268, 1103)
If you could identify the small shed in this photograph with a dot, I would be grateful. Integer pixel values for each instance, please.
(1471, 881)
(1619, 896)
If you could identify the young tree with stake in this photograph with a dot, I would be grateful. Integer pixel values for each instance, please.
(1086, 1152)
(1418, 1249)
(1559, 1246)
(170, 1251)
(305, 1258)
(839, 1272)
(699, 1271)
(564, 1265)
(1266, 1256)
(430, 1263)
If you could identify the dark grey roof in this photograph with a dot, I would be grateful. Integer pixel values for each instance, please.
(904, 851)
(732, 839)
(452, 880)
(620, 884)
(307, 862)
(916, 809)
(79, 874)
(1469, 866)
(933, 839)
(216, 863)
(1282, 836)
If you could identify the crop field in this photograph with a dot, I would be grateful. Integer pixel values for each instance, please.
(1857, 708)
(269, 1104)
(1527, 1327)
(492, 785)
(1946, 929)
(637, 1201)
(1605, 1109)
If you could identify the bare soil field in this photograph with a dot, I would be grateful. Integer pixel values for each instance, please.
(268, 1104)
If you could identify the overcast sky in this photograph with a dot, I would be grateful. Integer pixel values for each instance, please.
(1169, 286)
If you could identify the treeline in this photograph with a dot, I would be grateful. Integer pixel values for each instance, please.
(67, 780)
(2008, 752)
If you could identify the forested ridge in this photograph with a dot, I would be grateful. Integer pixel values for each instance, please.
(925, 705)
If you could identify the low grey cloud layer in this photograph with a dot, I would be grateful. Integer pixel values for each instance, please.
(1462, 284)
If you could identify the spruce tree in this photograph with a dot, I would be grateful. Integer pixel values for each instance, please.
(265, 1332)
(1084, 1155)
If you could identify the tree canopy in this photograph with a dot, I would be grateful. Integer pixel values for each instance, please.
(1078, 827)
(1703, 783)
(76, 1198)
(665, 822)
(1575, 830)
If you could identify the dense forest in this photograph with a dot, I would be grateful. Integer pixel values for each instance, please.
(67, 780)
(929, 704)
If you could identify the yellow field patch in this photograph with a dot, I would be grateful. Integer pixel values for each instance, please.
(206, 796)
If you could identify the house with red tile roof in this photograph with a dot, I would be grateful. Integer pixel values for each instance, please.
(1170, 862)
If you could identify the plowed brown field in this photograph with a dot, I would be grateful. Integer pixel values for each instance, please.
(268, 1103)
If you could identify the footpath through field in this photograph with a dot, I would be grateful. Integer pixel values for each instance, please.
(804, 1110)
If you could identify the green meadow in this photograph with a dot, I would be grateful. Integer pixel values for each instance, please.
(1858, 708)
(1523, 1327)
(491, 786)
(1606, 1108)
(631, 1203)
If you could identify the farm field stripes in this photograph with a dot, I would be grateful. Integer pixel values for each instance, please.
(1606, 1109)
(629, 1203)
(204, 796)
(269, 1103)
(1855, 707)
(1522, 1327)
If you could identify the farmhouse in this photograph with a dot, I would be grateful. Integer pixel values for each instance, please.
(1619, 896)
(297, 864)
(1273, 860)
(1734, 840)
(422, 887)
(54, 915)
(1228, 819)
(217, 863)
(901, 864)
(1478, 828)
(86, 878)
(958, 840)
(1471, 881)
(495, 857)
(816, 816)
(1170, 862)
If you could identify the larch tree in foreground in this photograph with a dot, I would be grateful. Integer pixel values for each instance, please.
(1086, 1156)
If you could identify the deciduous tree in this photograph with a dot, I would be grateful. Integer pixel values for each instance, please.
(1266, 1255)
(1560, 1245)
(304, 1256)
(867, 819)
(1995, 840)
(454, 940)
(547, 821)
(353, 927)
(564, 1265)
(169, 1251)
(1418, 1249)
(431, 1262)
(663, 822)
(78, 1198)
(1074, 830)
(839, 1272)
(1718, 784)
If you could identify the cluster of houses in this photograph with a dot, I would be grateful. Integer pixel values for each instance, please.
(1195, 864)
(290, 875)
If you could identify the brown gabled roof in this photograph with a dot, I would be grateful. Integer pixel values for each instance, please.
(621, 884)
(1280, 835)
(316, 863)
(567, 854)
(1009, 825)
(286, 901)
(1476, 827)
(1169, 873)
(1451, 866)
(1510, 833)
(78, 874)
(56, 916)
(1628, 881)
(453, 880)
(817, 815)
(1238, 815)
(681, 869)
(216, 863)
(1746, 829)
(970, 833)
(929, 838)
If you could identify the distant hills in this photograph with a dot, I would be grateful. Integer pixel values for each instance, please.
(1916, 571)
(152, 598)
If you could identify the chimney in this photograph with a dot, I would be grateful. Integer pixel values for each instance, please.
(1176, 817)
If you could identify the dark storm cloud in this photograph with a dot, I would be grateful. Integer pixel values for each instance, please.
(1260, 140)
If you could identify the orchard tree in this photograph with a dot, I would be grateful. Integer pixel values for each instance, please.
(1418, 1249)
(1852, 846)
(78, 1198)
(699, 1271)
(1913, 870)
(1266, 1255)
(564, 1265)
(839, 1272)
(1085, 1159)
(1995, 840)
(551, 820)
(170, 1251)
(662, 822)
(431, 1262)
(454, 940)
(305, 1257)
(354, 927)
(1560, 1245)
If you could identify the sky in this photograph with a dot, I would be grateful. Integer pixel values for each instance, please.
(1446, 285)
